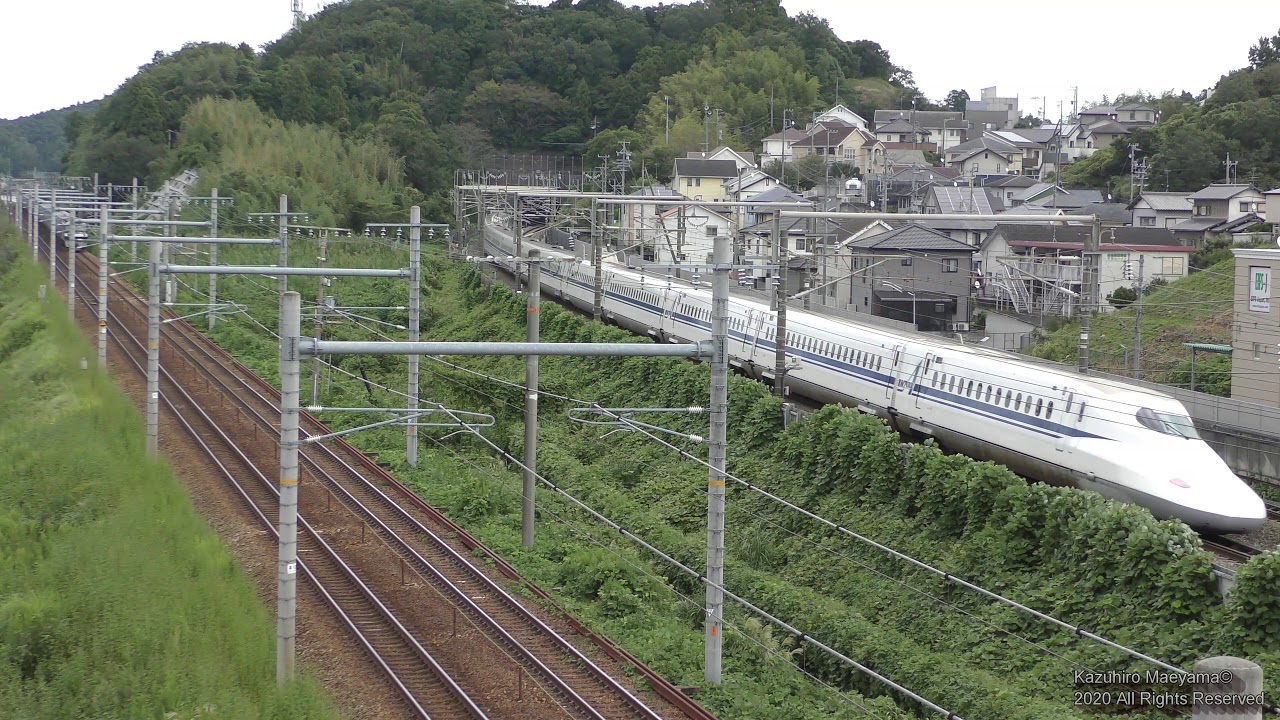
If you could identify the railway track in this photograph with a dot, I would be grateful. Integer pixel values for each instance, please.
(441, 666)
(1230, 549)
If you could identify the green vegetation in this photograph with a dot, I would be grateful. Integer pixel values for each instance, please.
(116, 600)
(40, 141)
(1108, 566)
(445, 82)
(1197, 308)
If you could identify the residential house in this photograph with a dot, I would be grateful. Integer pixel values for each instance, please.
(1038, 267)
(639, 222)
(1008, 186)
(842, 114)
(804, 239)
(905, 185)
(907, 153)
(749, 184)
(986, 155)
(759, 211)
(846, 144)
(1221, 209)
(743, 160)
(777, 147)
(1160, 209)
(902, 131)
(1033, 143)
(1056, 196)
(980, 202)
(1271, 210)
(948, 128)
(1098, 113)
(1111, 215)
(699, 179)
(912, 274)
(685, 234)
(990, 109)
(1084, 140)
(1136, 115)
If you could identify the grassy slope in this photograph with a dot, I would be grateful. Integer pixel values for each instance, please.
(116, 600)
(642, 487)
(1197, 308)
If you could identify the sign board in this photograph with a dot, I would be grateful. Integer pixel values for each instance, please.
(1259, 288)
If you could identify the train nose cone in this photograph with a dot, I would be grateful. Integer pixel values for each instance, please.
(1228, 505)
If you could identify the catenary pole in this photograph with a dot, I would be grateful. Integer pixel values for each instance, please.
(53, 242)
(597, 240)
(153, 348)
(287, 568)
(532, 329)
(415, 300)
(1087, 296)
(780, 342)
(104, 230)
(1137, 321)
(717, 443)
(71, 265)
(283, 281)
(213, 257)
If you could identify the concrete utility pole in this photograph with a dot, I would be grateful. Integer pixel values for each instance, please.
(283, 281)
(415, 304)
(717, 443)
(166, 255)
(532, 329)
(213, 257)
(287, 565)
(597, 252)
(780, 300)
(1137, 329)
(153, 347)
(1088, 296)
(71, 264)
(104, 231)
(53, 242)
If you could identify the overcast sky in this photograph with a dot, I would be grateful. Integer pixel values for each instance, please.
(73, 51)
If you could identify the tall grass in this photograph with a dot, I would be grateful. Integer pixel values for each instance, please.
(116, 600)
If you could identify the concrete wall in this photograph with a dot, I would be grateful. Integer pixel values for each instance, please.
(1255, 333)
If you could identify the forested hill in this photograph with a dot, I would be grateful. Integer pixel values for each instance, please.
(440, 79)
(39, 142)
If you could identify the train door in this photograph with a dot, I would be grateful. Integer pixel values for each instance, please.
(671, 301)
(1070, 405)
(752, 326)
(923, 377)
(895, 372)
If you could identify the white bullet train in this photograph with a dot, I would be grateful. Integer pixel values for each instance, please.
(1122, 441)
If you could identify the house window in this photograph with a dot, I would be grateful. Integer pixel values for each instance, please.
(1202, 209)
(1071, 143)
(1132, 115)
(950, 265)
(1257, 351)
(1147, 221)
(1246, 206)
(697, 182)
(1173, 265)
(906, 262)
(848, 152)
(999, 168)
(800, 243)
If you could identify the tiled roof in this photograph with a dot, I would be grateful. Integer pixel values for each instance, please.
(982, 143)
(788, 134)
(690, 167)
(1166, 201)
(1157, 237)
(911, 237)
(826, 138)
(900, 126)
(1106, 212)
(1107, 127)
(1219, 192)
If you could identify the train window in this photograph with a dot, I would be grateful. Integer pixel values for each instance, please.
(1048, 412)
(1039, 406)
(979, 395)
(1017, 404)
(989, 394)
(968, 391)
(935, 378)
(1070, 397)
(1167, 423)
(1081, 415)
(879, 360)
(999, 395)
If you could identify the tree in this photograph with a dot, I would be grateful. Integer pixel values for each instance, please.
(1122, 297)
(957, 100)
(1028, 121)
(1266, 52)
(428, 161)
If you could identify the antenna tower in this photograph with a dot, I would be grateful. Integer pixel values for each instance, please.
(297, 14)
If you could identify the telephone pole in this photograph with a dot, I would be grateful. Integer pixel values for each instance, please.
(1137, 330)
(1230, 165)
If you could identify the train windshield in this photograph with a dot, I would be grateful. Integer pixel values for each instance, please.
(1168, 424)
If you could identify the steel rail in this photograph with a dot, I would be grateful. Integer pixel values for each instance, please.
(458, 596)
(441, 676)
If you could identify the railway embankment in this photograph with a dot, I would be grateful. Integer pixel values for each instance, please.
(116, 599)
(1101, 566)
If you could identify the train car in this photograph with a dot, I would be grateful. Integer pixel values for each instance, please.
(1122, 441)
